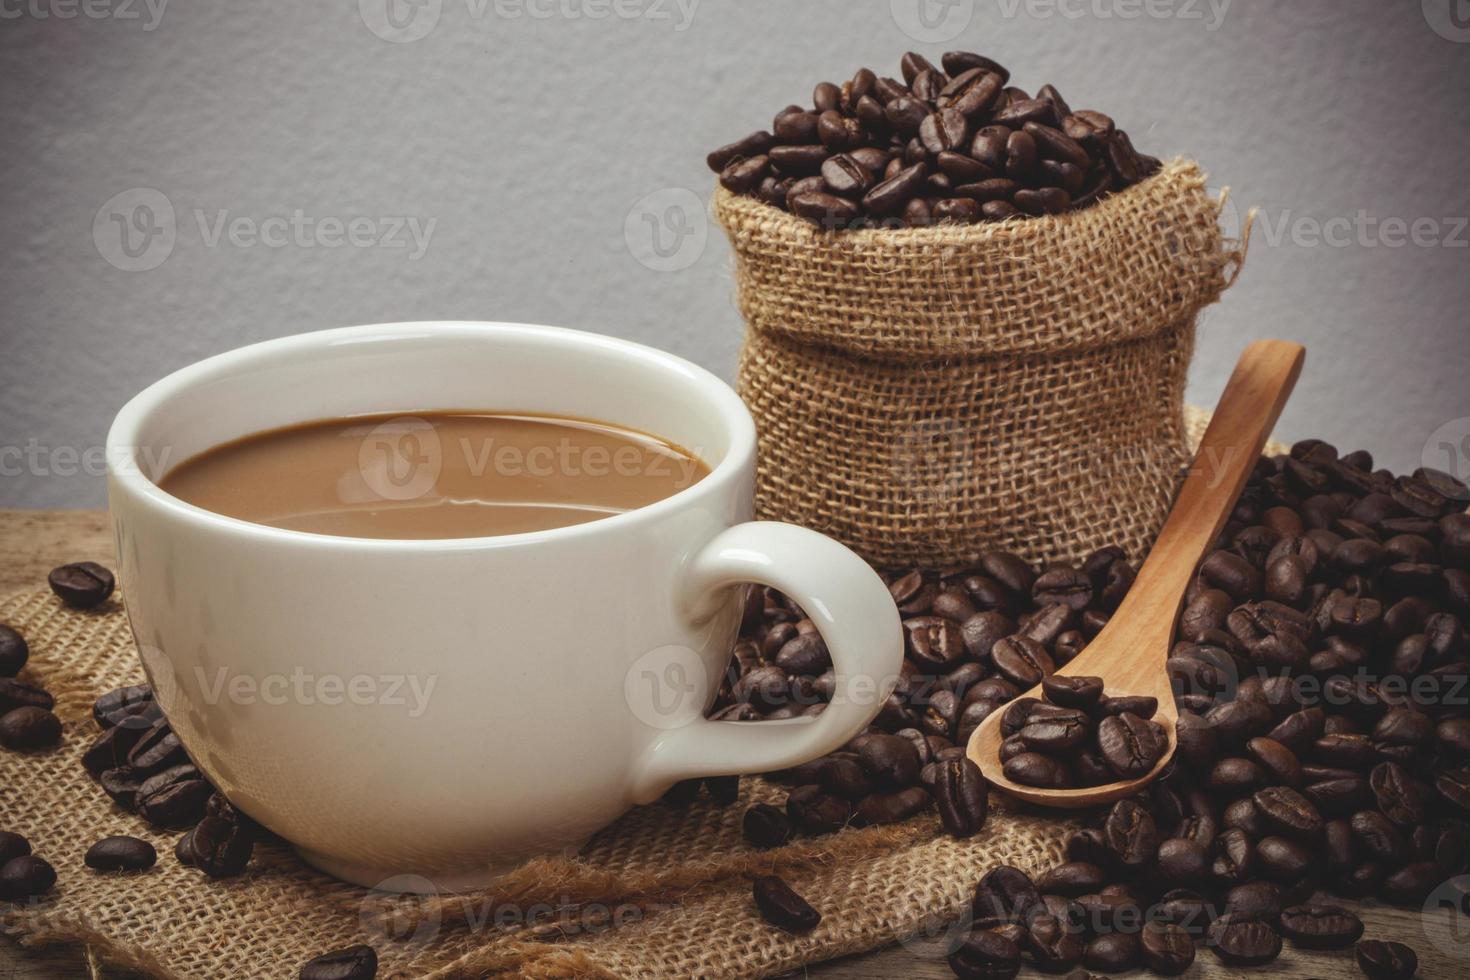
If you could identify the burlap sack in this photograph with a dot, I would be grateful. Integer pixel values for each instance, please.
(925, 394)
(663, 893)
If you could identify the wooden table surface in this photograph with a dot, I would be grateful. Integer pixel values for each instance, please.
(33, 542)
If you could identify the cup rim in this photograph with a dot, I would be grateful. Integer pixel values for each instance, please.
(122, 437)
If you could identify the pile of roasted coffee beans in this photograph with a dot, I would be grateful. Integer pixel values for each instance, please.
(956, 143)
(139, 763)
(1078, 736)
(1322, 676)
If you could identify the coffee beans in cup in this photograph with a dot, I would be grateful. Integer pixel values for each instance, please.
(950, 143)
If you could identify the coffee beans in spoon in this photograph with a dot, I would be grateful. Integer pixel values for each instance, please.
(1086, 740)
(953, 143)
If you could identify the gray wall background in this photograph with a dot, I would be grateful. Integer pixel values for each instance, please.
(535, 143)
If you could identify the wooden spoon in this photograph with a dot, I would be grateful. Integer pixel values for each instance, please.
(1129, 653)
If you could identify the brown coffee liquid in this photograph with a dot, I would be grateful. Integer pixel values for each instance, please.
(435, 475)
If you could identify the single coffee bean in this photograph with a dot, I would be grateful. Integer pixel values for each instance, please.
(353, 963)
(1167, 949)
(892, 761)
(1320, 926)
(14, 651)
(828, 210)
(962, 797)
(986, 955)
(753, 145)
(1131, 834)
(1131, 746)
(28, 729)
(1181, 861)
(1243, 942)
(803, 160)
(1052, 943)
(221, 848)
(1401, 798)
(110, 750)
(133, 706)
(1142, 706)
(890, 196)
(1021, 660)
(17, 694)
(956, 210)
(1072, 692)
(1411, 884)
(1021, 155)
(1288, 811)
(1005, 894)
(892, 807)
(184, 849)
(121, 854)
(782, 907)
(158, 749)
(766, 826)
(26, 877)
(174, 798)
(1035, 769)
(81, 585)
(1055, 736)
(1113, 952)
(1383, 960)
(1072, 879)
(122, 784)
(816, 811)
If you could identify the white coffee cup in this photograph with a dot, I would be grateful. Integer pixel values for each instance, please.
(429, 713)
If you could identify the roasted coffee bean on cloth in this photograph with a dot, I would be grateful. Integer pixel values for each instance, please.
(1322, 672)
(954, 142)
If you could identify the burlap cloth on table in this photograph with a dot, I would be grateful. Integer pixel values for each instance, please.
(672, 882)
(925, 394)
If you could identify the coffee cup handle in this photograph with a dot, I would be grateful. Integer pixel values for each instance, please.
(856, 617)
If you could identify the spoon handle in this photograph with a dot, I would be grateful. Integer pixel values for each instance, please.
(1248, 410)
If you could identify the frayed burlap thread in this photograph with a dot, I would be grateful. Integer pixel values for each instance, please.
(925, 394)
(663, 893)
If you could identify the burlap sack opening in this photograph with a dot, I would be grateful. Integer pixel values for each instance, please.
(926, 394)
(663, 893)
